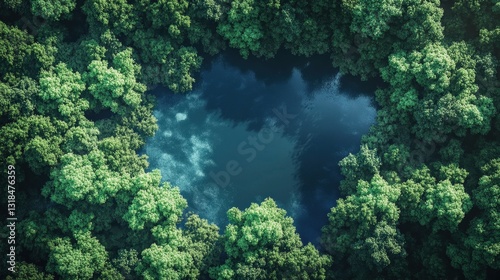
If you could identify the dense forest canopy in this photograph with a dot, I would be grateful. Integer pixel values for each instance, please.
(421, 199)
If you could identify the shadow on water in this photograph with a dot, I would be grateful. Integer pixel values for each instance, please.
(313, 118)
(324, 138)
(242, 95)
(269, 71)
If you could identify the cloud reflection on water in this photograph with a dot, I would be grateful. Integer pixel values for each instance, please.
(200, 133)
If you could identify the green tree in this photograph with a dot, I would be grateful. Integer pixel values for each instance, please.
(176, 71)
(435, 92)
(29, 271)
(53, 10)
(365, 33)
(155, 205)
(60, 91)
(362, 166)
(126, 261)
(115, 87)
(34, 140)
(81, 139)
(21, 55)
(17, 99)
(79, 260)
(261, 243)
(479, 248)
(83, 178)
(205, 246)
(116, 14)
(157, 32)
(166, 262)
(203, 14)
(244, 29)
(442, 204)
(119, 150)
(362, 234)
(302, 28)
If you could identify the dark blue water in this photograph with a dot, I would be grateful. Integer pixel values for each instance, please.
(256, 129)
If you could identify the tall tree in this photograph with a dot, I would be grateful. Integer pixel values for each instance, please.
(362, 234)
(261, 243)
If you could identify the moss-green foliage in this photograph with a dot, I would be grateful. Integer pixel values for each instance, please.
(261, 243)
(432, 146)
(21, 55)
(363, 231)
(95, 212)
(162, 34)
(29, 271)
(53, 10)
(420, 198)
(115, 86)
(76, 261)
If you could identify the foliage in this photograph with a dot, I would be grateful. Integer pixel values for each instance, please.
(76, 261)
(53, 10)
(29, 271)
(261, 243)
(21, 55)
(155, 205)
(115, 87)
(362, 229)
(420, 197)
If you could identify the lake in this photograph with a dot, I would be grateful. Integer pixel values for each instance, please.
(252, 129)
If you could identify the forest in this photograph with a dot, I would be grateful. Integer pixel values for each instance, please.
(420, 200)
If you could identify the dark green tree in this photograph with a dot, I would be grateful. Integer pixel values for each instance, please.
(261, 243)
(362, 234)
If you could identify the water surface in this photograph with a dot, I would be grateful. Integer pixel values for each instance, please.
(255, 129)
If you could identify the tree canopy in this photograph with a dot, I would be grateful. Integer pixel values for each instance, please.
(420, 199)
